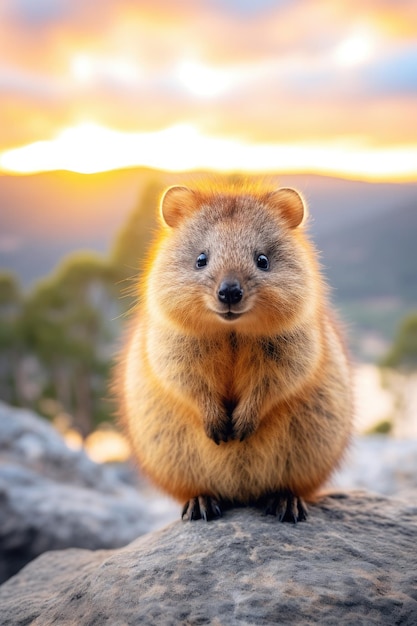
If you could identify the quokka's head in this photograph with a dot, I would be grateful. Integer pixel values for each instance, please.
(233, 260)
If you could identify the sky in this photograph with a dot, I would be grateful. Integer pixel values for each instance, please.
(325, 86)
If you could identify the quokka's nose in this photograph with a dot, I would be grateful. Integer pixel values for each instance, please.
(230, 292)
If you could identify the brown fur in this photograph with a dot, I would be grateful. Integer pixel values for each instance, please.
(272, 386)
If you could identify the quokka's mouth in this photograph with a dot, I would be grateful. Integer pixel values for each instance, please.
(230, 316)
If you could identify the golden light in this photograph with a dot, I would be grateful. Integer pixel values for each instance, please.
(90, 148)
(102, 446)
(107, 446)
(73, 439)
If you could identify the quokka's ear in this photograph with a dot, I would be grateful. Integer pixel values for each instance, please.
(177, 202)
(290, 205)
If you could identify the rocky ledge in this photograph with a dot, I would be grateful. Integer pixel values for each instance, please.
(52, 497)
(352, 562)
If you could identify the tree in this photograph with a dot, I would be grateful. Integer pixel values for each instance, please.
(70, 323)
(401, 375)
(11, 345)
(131, 243)
(403, 353)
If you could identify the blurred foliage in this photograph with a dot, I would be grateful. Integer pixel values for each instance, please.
(11, 344)
(384, 427)
(57, 342)
(399, 374)
(403, 354)
(132, 242)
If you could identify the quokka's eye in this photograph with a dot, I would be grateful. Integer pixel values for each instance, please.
(262, 262)
(201, 260)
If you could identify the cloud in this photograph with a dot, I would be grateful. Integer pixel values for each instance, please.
(35, 13)
(251, 70)
(17, 82)
(250, 7)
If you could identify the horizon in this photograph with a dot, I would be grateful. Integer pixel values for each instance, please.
(112, 150)
(213, 173)
(292, 87)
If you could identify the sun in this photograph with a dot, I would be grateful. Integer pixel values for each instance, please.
(358, 47)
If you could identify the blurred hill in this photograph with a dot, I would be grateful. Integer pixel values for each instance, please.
(45, 216)
(372, 265)
(366, 232)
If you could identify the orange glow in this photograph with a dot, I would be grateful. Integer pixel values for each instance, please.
(107, 446)
(89, 148)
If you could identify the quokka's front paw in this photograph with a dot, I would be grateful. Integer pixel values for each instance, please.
(243, 424)
(219, 429)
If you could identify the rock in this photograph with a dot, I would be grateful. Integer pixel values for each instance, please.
(52, 497)
(352, 562)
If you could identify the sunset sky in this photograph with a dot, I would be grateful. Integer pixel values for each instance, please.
(323, 86)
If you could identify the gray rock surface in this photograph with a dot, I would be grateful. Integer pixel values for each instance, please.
(353, 562)
(52, 497)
